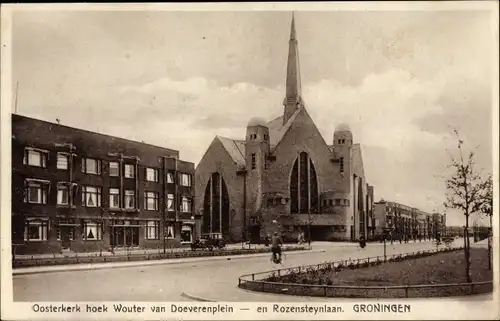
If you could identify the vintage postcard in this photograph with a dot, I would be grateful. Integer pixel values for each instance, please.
(240, 161)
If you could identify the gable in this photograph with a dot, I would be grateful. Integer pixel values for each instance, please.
(301, 118)
(277, 129)
(235, 149)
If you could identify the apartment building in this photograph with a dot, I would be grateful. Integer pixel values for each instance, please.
(78, 190)
(404, 222)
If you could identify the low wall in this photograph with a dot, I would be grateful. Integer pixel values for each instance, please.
(268, 281)
(20, 263)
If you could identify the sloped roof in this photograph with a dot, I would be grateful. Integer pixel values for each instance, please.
(277, 130)
(357, 161)
(235, 149)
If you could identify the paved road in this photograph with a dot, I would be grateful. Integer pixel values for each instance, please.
(215, 280)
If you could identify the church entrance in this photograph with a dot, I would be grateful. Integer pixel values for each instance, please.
(216, 207)
(254, 234)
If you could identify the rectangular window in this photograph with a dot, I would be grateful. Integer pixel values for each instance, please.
(129, 171)
(114, 198)
(62, 161)
(170, 232)
(91, 166)
(185, 179)
(170, 178)
(153, 230)
(341, 161)
(151, 174)
(253, 161)
(92, 231)
(337, 202)
(35, 157)
(265, 162)
(62, 194)
(170, 202)
(91, 196)
(36, 230)
(36, 192)
(129, 199)
(186, 205)
(151, 201)
(114, 169)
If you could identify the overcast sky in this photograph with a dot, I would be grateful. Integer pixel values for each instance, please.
(401, 80)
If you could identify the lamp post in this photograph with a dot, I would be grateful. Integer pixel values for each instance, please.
(386, 232)
(309, 221)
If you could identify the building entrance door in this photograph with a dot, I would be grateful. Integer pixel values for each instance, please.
(131, 236)
(125, 234)
(187, 234)
(66, 236)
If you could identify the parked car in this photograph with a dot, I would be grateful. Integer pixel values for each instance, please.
(209, 241)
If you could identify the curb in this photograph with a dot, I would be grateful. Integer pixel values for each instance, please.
(101, 266)
(196, 298)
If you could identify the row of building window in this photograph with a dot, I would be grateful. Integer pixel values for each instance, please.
(38, 230)
(338, 202)
(37, 191)
(93, 166)
(254, 137)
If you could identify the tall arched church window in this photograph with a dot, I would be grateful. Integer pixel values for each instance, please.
(216, 206)
(304, 186)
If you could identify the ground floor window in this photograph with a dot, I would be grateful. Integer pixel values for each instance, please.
(92, 231)
(170, 231)
(36, 230)
(187, 233)
(153, 230)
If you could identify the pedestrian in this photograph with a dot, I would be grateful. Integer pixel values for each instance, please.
(276, 247)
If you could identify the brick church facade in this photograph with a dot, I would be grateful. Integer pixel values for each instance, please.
(284, 176)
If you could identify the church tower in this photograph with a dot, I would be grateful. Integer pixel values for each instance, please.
(342, 143)
(293, 96)
(257, 149)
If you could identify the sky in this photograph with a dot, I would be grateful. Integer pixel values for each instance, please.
(177, 79)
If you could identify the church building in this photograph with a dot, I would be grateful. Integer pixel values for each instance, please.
(284, 176)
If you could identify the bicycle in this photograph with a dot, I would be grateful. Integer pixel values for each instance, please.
(275, 258)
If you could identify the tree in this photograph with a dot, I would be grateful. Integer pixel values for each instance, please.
(465, 191)
(487, 200)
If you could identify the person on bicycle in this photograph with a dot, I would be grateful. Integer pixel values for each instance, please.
(362, 241)
(276, 246)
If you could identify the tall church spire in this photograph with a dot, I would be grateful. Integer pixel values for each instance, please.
(293, 98)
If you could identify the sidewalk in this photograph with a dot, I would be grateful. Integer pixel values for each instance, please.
(125, 252)
(114, 265)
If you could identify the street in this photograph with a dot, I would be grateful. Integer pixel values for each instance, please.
(212, 279)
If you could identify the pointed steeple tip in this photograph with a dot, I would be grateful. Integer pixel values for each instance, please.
(293, 35)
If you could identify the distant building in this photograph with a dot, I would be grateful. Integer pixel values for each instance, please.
(83, 191)
(404, 222)
(284, 176)
(439, 223)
